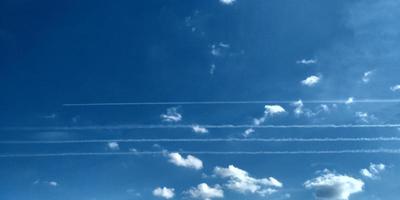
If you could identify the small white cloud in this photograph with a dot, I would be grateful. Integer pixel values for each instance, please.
(306, 61)
(212, 68)
(350, 100)
(205, 192)
(373, 170)
(166, 193)
(53, 183)
(239, 180)
(248, 131)
(311, 80)
(395, 88)
(274, 109)
(365, 117)
(331, 186)
(172, 115)
(199, 129)
(367, 76)
(324, 107)
(227, 2)
(113, 146)
(188, 162)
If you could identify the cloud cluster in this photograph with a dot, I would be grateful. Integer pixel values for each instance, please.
(172, 115)
(331, 186)
(205, 192)
(164, 192)
(188, 162)
(373, 170)
(239, 180)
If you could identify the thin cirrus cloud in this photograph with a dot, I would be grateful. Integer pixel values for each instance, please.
(164, 192)
(332, 186)
(205, 192)
(240, 181)
(172, 115)
(373, 170)
(311, 80)
(188, 162)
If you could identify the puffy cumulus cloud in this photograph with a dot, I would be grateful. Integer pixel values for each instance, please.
(205, 192)
(113, 146)
(373, 170)
(311, 80)
(395, 88)
(164, 192)
(172, 115)
(367, 76)
(306, 61)
(331, 186)
(188, 162)
(199, 129)
(227, 2)
(239, 180)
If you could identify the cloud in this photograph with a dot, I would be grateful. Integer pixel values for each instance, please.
(212, 68)
(350, 100)
(311, 80)
(373, 170)
(227, 2)
(248, 131)
(172, 115)
(113, 146)
(199, 129)
(240, 181)
(306, 62)
(274, 109)
(367, 76)
(331, 186)
(205, 192)
(188, 162)
(300, 110)
(365, 117)
(166, 193)
(219, 49)
(395, 88)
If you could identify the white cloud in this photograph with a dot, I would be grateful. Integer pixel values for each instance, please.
(367, 76)
(199, 129)
(300, 110)
(248, 131)
(373, 170)
(113, 146)
(227, 2)
(395, 88)
(188, 162)
(172, 115)
(311, 80)
(365, 117)
(166, 193)
(205, 192)
(212, 68)
(331, 186)
(53, 183)
(240, 181)
(274, 109)
(306, 62)
(350, 100)
(324, 107)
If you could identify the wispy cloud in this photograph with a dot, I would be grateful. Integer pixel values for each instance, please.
(367, 76)
(373, 170)
(113, 146)
(306, 61)
(188, 162)
(164, 192)
(199, 129)
(227, 2)
(240, 181)
(205, 192)
(332, 186)
(395, 88)
(311, 80)
(172, 115)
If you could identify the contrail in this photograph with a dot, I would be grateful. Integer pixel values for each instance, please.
(186, 126)
(74, 154)
(364, 139)
(339, 101)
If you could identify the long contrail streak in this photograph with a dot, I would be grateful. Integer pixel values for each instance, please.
(186, 126)
(339, 101)
(74, 154)
(363, 139)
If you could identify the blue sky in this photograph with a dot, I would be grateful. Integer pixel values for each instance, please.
(258, 99)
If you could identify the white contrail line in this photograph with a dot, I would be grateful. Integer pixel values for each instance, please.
(350, 151)
(186, 126)
(339, 101)
(356, 139)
